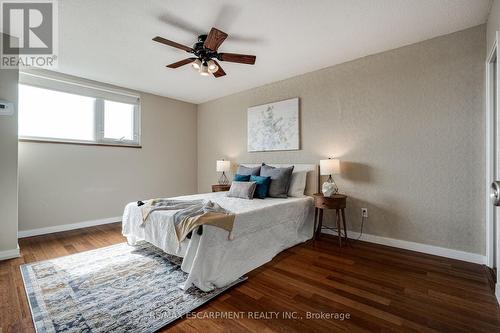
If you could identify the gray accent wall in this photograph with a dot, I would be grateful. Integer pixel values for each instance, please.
(407, 124)
(65, 184)
(8, 162)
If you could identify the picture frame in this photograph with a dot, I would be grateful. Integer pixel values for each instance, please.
(273, 126)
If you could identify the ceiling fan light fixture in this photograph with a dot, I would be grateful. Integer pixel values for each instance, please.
(196, 64)
(212, 66)
(204, 69)
(205, 55)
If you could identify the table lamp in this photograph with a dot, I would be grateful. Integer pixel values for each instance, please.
(223, 166)
(328, 168)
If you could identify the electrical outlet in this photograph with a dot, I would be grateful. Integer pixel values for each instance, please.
(364, 212)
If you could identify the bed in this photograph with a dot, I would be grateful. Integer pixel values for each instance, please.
(262, 229)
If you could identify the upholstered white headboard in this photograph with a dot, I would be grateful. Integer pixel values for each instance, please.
(312, 182)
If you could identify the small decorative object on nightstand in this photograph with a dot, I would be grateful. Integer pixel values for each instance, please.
(223, 166)
(220, 188)
(328, 168)
(337, 202)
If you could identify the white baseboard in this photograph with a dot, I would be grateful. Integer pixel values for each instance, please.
(9, 254)
(419, 247)
(66, 227)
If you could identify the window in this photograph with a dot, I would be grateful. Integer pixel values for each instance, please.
(54, 115)
(118, 121)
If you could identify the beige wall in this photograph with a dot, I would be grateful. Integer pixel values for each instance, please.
(8, 163)
(408, 125)
(63, 184)
(493, 24)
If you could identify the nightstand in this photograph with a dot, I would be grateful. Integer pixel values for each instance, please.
(337, 202)
(220, 188)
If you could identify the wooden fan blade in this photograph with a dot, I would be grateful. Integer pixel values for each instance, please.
(214, 39)
(173, 44)
(181, 63)
(239, 58)
(220, 72)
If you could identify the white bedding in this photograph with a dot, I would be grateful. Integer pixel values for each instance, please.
(262, 229)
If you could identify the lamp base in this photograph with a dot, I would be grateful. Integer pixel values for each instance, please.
(329, 188)
(223, 179)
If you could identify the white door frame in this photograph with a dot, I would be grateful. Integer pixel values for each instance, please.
(490, 151)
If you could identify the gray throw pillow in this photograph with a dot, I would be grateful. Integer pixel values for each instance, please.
(243, 190)
(247, 171)
(280, 180)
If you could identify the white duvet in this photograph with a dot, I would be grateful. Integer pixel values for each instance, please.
(262, 229)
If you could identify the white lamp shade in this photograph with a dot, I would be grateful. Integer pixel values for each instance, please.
(204, 69)
(212, 67)
(329, 167)
(196, 64)
(223, 166)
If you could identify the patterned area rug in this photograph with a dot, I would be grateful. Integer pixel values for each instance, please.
(119, 288)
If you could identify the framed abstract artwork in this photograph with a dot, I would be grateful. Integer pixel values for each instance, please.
(274, 126)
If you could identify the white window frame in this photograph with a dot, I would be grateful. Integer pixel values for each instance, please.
(99, 125)
(102, 94)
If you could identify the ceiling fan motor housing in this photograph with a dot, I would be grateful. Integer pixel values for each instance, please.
(201, 52)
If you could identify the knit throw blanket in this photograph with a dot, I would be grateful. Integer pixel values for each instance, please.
(190, 214)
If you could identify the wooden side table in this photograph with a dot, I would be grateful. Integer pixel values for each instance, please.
(220, 188)
(337, 202)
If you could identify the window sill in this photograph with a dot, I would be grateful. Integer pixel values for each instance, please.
(80, 143)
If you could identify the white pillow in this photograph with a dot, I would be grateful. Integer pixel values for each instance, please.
(297, 184)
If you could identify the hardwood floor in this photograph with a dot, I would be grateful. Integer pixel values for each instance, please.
(383, 289)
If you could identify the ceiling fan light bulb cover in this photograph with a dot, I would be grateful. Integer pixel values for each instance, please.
(212, 67)
(204, 70)
(196, 64)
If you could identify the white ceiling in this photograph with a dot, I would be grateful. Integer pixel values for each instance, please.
(110, 41)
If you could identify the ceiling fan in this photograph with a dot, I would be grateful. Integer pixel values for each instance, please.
(206, 55)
